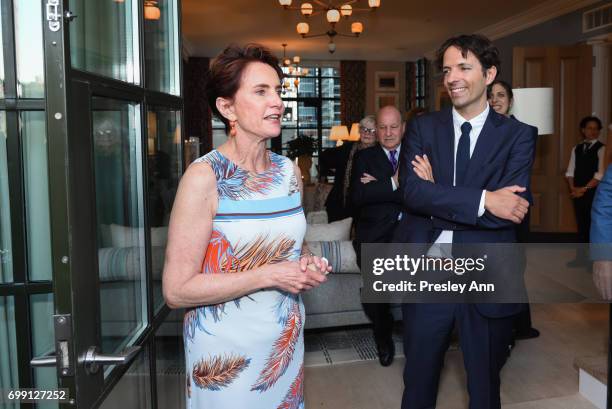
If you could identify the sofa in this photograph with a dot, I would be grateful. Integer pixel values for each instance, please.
(335, 303)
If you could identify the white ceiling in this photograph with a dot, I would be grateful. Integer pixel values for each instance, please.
(401, 30)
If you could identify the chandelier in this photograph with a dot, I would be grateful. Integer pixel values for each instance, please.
(333, 13)
(294, 69)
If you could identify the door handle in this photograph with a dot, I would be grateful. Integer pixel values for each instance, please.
(45, 360)
(93, 359)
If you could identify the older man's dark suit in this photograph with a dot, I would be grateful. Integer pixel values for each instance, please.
(503, 156)
(378, 207)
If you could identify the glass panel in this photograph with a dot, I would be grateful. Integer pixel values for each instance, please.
(1, 59)
(309, 87)
(6, 260)
(29, 49)
(170, 363)
(290, 114)
(104, 38)
(164, 162)
(118, 173)
(307, 114)
(43, 343)
(326, 143)
(8, 349)
(330, 72)
(330, 113)
(330, 88)
(219, 137)
(312, 71)
(286, 136)
(162, 46)
(36, 181)
(133, 391)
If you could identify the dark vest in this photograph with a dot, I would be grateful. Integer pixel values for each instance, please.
(586, 163)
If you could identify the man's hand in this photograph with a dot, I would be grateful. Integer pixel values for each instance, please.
(367, 178)
(422, 168)
(602, 277)
(506, 204)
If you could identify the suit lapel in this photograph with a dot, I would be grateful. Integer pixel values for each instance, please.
(485, 145)
(445, 144)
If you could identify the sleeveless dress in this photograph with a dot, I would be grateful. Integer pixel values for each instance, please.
(249, 352)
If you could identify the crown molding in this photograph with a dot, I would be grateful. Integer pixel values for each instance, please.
(542, 12)
(531, 17)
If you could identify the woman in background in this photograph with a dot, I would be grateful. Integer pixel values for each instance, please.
(341, 159)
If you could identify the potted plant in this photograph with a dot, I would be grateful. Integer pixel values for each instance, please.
(301, 149)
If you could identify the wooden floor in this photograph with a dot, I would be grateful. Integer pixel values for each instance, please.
(539, 374)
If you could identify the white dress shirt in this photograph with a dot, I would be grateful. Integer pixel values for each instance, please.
(477, 123)
(571, 167)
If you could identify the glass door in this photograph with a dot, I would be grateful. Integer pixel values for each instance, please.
(113, 121)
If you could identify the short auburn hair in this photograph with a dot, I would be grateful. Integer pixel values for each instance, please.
(226, 72)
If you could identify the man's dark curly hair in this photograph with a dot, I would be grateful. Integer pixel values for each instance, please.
(226, 72)
(479, 45)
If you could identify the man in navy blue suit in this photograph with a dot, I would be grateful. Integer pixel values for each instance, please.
(481, 162)
(601, 236)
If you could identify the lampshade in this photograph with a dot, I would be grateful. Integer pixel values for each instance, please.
(357, 27)
(285, 3)
(296, 59)
(306, 9)
(303, 28)
(535, 107)
(333, 16)
(346, 10)
(354, 135)
(151, 12)
(339, 133)
(331, 46)
(372, 3)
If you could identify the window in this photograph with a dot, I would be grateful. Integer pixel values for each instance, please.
(311, 109)
(421, 83)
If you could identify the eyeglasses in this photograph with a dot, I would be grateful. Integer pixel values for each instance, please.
(371, 131)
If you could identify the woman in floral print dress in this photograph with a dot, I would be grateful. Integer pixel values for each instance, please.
(235, 257)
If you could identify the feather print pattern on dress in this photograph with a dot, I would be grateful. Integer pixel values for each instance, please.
(222, 258)
(218, 372)
(236, 183)
(282, 351)
(294, 399)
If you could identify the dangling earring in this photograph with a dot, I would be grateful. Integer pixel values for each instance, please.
(233, 128)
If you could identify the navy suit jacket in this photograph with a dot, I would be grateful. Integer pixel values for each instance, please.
(601, 219)
(503, 156)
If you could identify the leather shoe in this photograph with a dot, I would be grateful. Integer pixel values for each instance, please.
(530, 333)
(386, 352)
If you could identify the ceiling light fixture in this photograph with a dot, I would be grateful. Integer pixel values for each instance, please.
(292, 66)
(333, 14)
